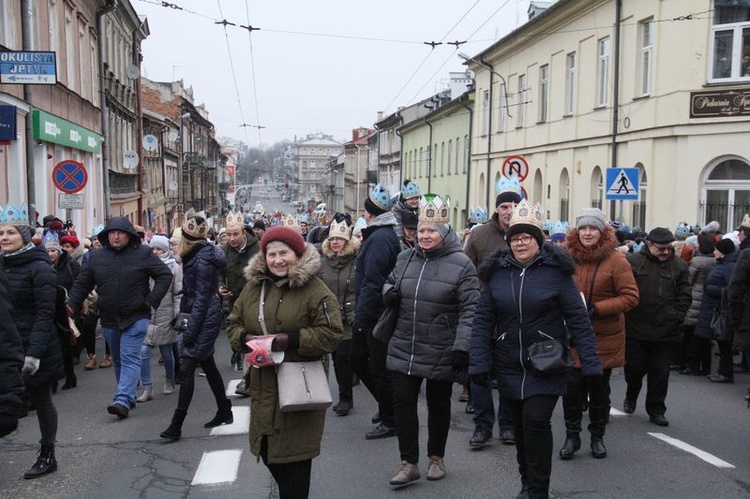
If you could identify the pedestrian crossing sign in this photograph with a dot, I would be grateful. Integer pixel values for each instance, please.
(622, 183)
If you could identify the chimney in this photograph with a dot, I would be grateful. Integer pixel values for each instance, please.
(380, 116)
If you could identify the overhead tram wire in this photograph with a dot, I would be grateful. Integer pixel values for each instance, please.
(250, 30)
(231, 66)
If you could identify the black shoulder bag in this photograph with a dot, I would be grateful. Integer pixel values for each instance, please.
(386, 324)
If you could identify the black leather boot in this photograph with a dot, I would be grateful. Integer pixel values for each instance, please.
(223, 415)
(174, 431)
(572, 439)
(45, 463)
(596, 428)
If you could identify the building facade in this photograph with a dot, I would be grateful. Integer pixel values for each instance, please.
(588, 85)
(310, 156)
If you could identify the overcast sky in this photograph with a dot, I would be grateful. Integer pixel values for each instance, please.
(319, 65)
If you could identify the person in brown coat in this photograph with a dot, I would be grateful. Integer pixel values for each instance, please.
(605, 279)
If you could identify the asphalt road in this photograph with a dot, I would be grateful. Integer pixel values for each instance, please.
(102, 457)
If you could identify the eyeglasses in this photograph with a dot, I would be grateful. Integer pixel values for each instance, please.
(660, 249)
(522, 240)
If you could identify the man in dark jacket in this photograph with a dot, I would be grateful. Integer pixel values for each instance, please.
(120, 271)
(241, 246)
(485, 241)
(375, 260)
(653, 327)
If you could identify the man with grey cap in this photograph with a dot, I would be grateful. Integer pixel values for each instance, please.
(652, 328)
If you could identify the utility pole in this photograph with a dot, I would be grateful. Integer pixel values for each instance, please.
(26, 29)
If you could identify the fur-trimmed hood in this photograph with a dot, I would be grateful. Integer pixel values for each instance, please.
(548, 255)
(300, 274)
(604, 247)
(350, 248)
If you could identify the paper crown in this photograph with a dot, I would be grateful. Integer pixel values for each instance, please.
(525, 213)
(511, 183)
(410, 190)
(14, 214)
(292, 222)
(195, 225)
(97, 229)
(682, 229)
(261, 352)
(745, 224)
(235, 218)
(434, 209)
(51, 240)
(381, 198)
(304, 218)
(559, 227)
(547, 225)
(478, 215)
(341, 230)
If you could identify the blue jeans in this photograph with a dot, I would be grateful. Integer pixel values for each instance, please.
(166, 354)
(484, 409)
(126, 358)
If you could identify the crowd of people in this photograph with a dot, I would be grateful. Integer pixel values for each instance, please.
(534, 310)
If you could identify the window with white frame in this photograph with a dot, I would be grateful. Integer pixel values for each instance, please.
(503, 108)
(646, 35)
(486, 112)
(602, 74)
(53, 25)
(449, 159)
(70, 48)
(543, 92)
(83, 64)
(458, 149)
(521, 100)
(8, 25)
(570, 83)
(730, 41)
(467, 153)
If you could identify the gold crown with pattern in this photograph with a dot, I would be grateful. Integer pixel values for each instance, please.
(195, 225)
(291, 221)
(235, 218)
(434, 209)
(341, 230)
(525, 213)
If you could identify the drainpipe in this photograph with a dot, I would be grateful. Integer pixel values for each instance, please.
(26, 19)
(468, 169)
(139, 126)
(111, 5)
(616, 94)
(489, 132)
(429, 157)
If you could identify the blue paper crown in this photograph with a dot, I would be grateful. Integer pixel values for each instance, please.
(51, 239)
(547, 225)
(410, 190)
(14, 214)
(682, 229)
(304, 218)
(478, 215)
(97, 229)
(511, 183)
(381, 197)
(559, 227)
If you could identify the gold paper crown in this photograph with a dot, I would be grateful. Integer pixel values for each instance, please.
(524, 213)
(341, 230)
(235, 218)
(434, 209)
(292, 222)
(195, 225)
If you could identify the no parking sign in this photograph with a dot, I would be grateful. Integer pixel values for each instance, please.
(69, 176)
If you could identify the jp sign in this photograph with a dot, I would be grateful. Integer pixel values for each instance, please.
(34, 68)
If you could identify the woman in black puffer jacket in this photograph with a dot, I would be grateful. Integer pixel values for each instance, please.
(201, 267)
(436, 297)
(33, 284)
(11, 361)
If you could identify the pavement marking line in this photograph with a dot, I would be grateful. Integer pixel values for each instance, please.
(709, 458)
(240, 426)
(232, 386)
(616, 412)
(219, 466)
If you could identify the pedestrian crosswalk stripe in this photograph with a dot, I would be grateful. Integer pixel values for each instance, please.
(240, 425)
(232, 386)
(218, 467)
(709, 458)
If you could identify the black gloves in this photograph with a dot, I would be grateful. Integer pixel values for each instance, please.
(460, 361)
(482, 380)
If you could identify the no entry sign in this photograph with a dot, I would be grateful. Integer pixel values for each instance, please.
(69, 176)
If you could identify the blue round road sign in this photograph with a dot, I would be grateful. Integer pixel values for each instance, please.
(69, 176)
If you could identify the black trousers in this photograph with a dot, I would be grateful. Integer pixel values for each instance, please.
(367, 357)
(699, 355)
(405, 395)
(726, 362)
(293, 479)
(598, 391)
(533, 431)
(651, 359)
(187, 381)
(343, 370)
(41, 397)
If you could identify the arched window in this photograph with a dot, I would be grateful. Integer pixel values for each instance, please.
(564, 195)
(449, 159)
(726, 192)
(538, 192)
(597, 188)
(639, 207)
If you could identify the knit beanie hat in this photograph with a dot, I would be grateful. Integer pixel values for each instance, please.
(372, 208)
(592, 217)
(441, 228)
(288, 236)
(725, 246)
(409, 220)
(712, 226)
(160, 242)
(26, 231)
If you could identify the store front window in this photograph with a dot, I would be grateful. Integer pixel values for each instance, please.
(726, 193)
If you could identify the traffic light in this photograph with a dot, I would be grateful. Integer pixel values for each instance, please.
(286, 184)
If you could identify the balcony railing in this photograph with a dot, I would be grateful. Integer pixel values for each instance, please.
(193, 160)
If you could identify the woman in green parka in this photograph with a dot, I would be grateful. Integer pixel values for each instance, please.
(304, 315)
(339, 251)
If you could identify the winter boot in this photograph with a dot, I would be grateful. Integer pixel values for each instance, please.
(90, 363)
(174, 432)
(106, 362)
(169, 386)
(572, 439)
(223, 415)
(45, 463)
(596, 428)
(70, 382)
(147, 394)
